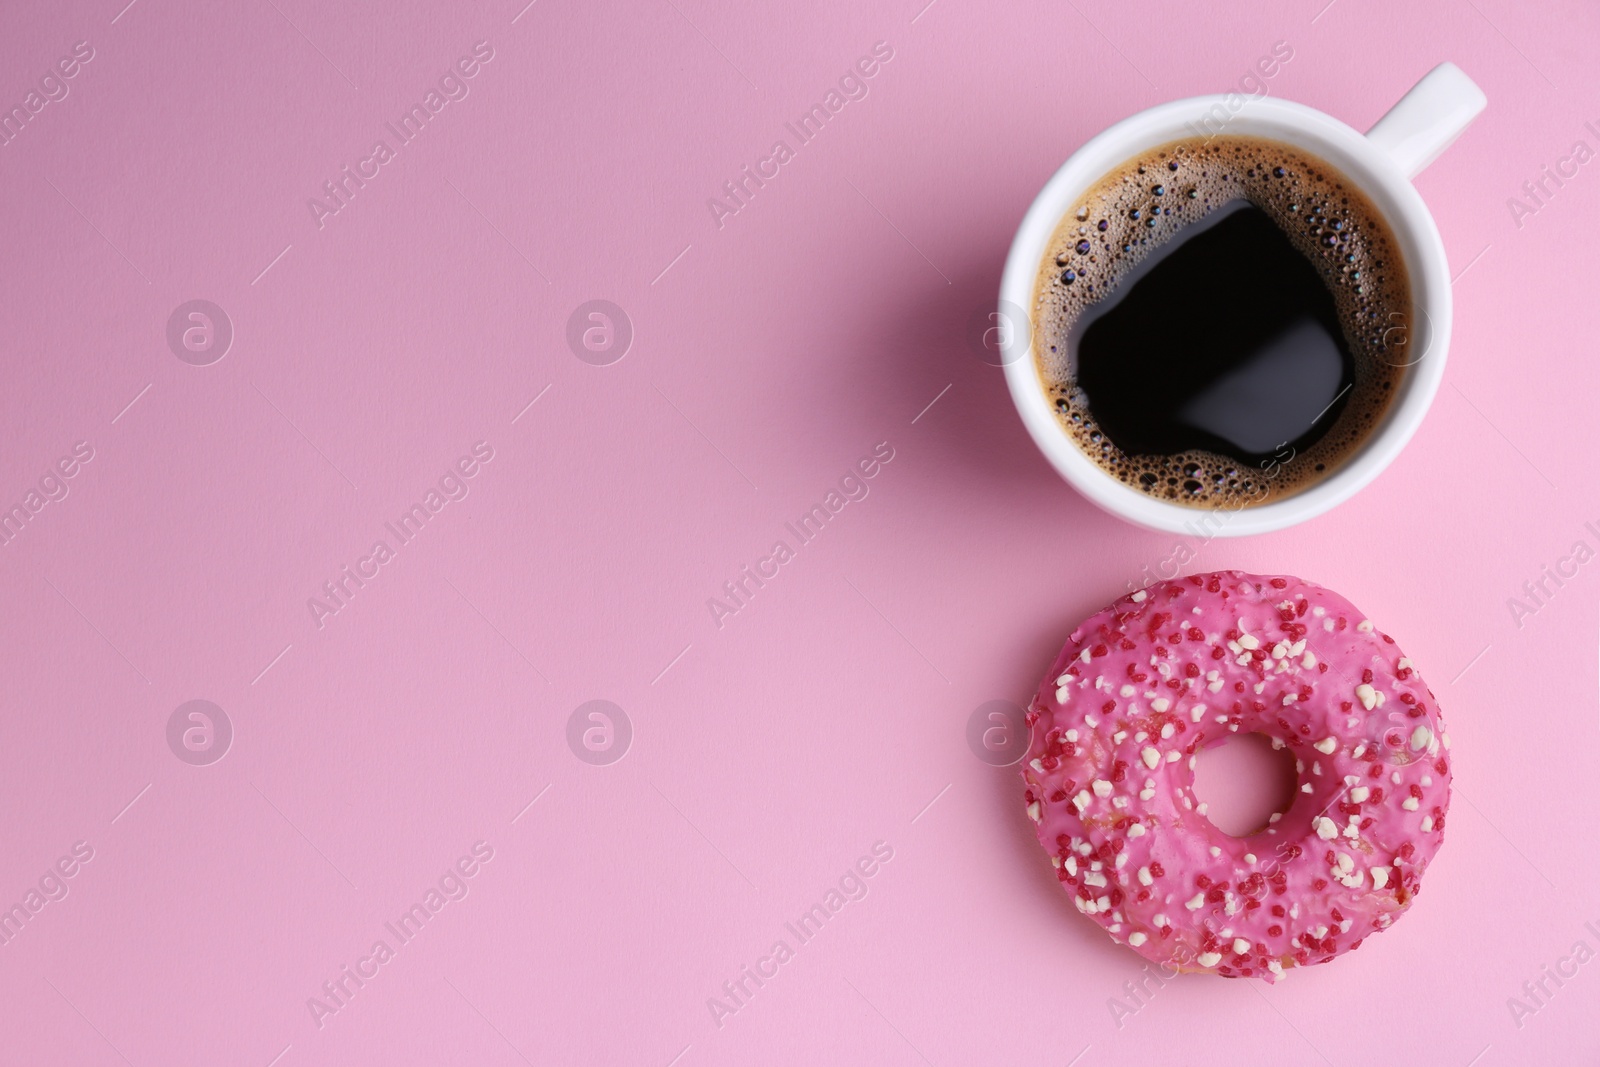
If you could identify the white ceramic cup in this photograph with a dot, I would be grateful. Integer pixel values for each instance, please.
(1381, 163)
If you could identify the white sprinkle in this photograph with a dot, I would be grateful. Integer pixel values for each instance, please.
(1327, 624)
(1150, 756)
(1249, 641)
(1161, 920)
(1102, 788)
(1071, 865)
(1145, 877)
(1215, 851)
(1320, 932)
(1410, 804)
(1197, 902)
(1306, 788)
(1280, 650)
(1325, 828)
(1316, 767)
(1319, 611)
(1091, 721)
(1172, 757)
(1367, 695)
(1033, 811)
(1200, 808)
(1140, 737)
(1274, 817)
(1081, 801)
(1213, 686)
(1061, 694)
(1241, 947)
(1138, 597)
(1209, 959)
(1136, 939)
(1119, 737)
(1095, 878)
(1421, 737)
(1380, 877)
(1161, 703)
(1136, 830)
(1127, 691)
(1084, 656)
(1346, 863)
(1364, 626)
(1147, 794)
(1395, 777)
(1036, 765)
(1167, 731)
(1359, 794)
(1326, 745)
(1290, 698)
(1427, 824)
(1222, 718)
(1308, 661)
(1072, 735)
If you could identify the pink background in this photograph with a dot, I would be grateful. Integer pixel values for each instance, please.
(770, 354)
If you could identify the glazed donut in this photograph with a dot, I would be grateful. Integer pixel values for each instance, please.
(1144, 685)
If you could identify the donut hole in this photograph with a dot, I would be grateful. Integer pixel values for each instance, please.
(1244, 781)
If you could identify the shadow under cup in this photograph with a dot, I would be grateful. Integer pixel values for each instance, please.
(1363, 165)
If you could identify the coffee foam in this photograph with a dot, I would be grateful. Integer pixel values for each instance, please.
(1122, 220)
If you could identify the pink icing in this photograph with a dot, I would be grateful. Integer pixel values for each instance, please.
(1145, 684)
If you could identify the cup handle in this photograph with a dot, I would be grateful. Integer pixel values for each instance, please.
(1429, 118)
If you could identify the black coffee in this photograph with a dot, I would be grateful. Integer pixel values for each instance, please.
(1221, 322)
